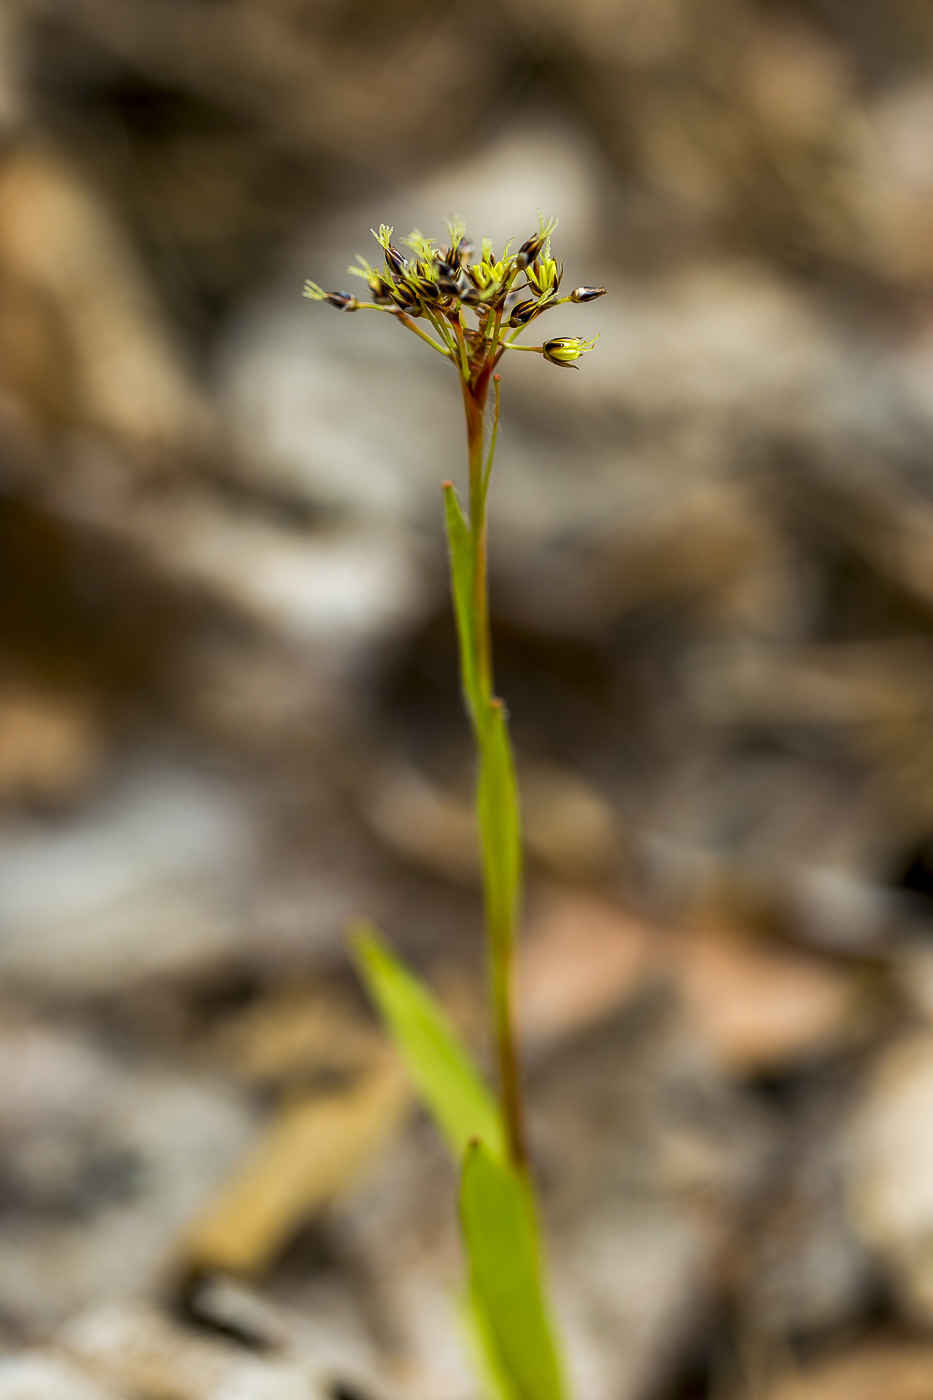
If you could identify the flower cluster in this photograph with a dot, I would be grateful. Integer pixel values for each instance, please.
(440, 285)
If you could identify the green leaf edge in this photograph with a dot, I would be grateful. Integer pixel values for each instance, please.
(433, 1052)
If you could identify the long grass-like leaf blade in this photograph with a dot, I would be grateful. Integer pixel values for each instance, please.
(499, 1229)
(439, 1063)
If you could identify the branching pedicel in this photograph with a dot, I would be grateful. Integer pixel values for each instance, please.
(443, 289)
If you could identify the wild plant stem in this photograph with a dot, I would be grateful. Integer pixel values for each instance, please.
(500, 922)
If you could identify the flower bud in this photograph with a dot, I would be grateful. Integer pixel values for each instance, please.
(587, 293)
(565, 349)
(428, 290)
(529, 250)
(344, 301)
(523, 312)
(380, 291)
(394, 260)
(448, 286)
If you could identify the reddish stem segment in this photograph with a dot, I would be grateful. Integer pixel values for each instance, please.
(501, 940)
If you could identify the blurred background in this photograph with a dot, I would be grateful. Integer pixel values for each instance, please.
(229, 715)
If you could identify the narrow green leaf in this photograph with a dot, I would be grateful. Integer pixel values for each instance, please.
(494, 1382)
(461, 573)
(500, 832)
(438, 1061)
(498, 1221)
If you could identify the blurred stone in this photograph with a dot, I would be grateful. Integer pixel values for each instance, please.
(846, 684)
(895, 200)
(50, 747)
(894, 1370)
(762, 1008)
(804, 1272)
(913, 972)
(133, 1347)
(103, 343)
(837, 911)
(46, 1376)
(103, 1164)
(420, 821)
(797, 81)
(890, 1170)
(148, 881)
(568, 827)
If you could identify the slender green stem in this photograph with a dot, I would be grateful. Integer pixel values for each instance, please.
(490, 721)
(464, 357)
(475, 410)
(494, 438)
(409, 323)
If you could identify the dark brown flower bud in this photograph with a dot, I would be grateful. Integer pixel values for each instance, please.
(529, 250)
(394, 260)
(587, 293)
(381, 291)
(471, 296)
(522, 313)
(344, 301)
(403, 296)
(449, 286)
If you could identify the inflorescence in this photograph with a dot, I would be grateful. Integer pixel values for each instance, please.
(439, 285)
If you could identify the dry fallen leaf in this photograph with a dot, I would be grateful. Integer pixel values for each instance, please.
(314, 1147)
(761, 1007)
(581, 956)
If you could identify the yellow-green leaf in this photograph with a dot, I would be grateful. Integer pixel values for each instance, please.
(438, 1061)
(498, 1221)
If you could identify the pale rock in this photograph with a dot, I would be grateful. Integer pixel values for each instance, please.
(46, 1376)
(132, 1346)
(148, 880)
(890, 1169)
(107, 1164)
